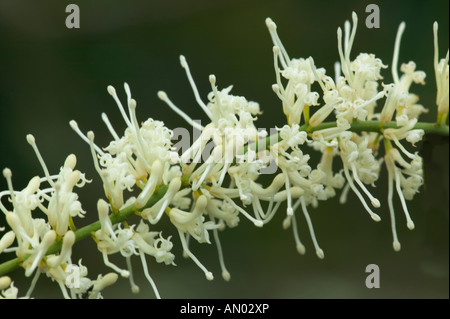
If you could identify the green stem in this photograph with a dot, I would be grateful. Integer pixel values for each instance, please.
(375, 126)
(125, 213)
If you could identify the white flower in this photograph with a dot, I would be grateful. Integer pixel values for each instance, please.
(300, 73)
(129, 160)
(441, 70)
(147, 242)
(7, 288)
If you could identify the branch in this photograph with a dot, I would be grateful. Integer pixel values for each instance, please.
(125, 213)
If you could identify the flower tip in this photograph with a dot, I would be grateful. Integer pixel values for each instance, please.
(125, 273)
(275, 88)
(7, 173)
(301, 249)
(183, 61)
(73, 124)
(435, 26)
(135, 289)
(320, 253)
(376, 203)
(270, 24)
(111, 90)
(209, 275)
(259, 223)
(375, 217)
(91, 136)
(212, 79)
(30, 139)
(226, 275)
(396, 245)
(410, 225)
(71, 161)
(287, 222)
(162, 95)
(276, 49)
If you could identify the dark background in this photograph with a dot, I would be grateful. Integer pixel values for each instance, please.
(50, 74)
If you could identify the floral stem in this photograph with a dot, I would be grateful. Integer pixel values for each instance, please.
(125, 213)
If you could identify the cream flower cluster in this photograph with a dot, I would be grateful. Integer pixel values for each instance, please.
(143, 173)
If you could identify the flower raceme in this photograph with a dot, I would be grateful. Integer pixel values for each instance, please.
(143, 173)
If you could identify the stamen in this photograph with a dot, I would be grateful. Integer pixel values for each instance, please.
(341, 54)
(271, 213)
(188, 239)
(112, 92)
(396, 243)
(276, 89)
(212, 81)
(185, 66)
(33, 284)
(402, 148)
(163, 96)
(8, 176)
(337, 71)
(90, 137)
(352, 37)
(223, 173)
(75, 127)
(276, 52)
(208, 274)
(128, 93)
(409, 222)
(257, 223)
(110, 127)
(63, 289)
(375, 202)
(141, 143)
(436, 52)
(314, 71)
(32, 142)
(124, 273)
(374, 216)
(299, 245)
(225, 274)
(398, 38)
(289, 211)
(147, 275)
(284, 57)
(319, 251)
(134, 288)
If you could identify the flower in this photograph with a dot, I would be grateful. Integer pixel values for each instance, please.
(441, 71)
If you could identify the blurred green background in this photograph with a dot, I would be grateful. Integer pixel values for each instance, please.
(50, 75)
